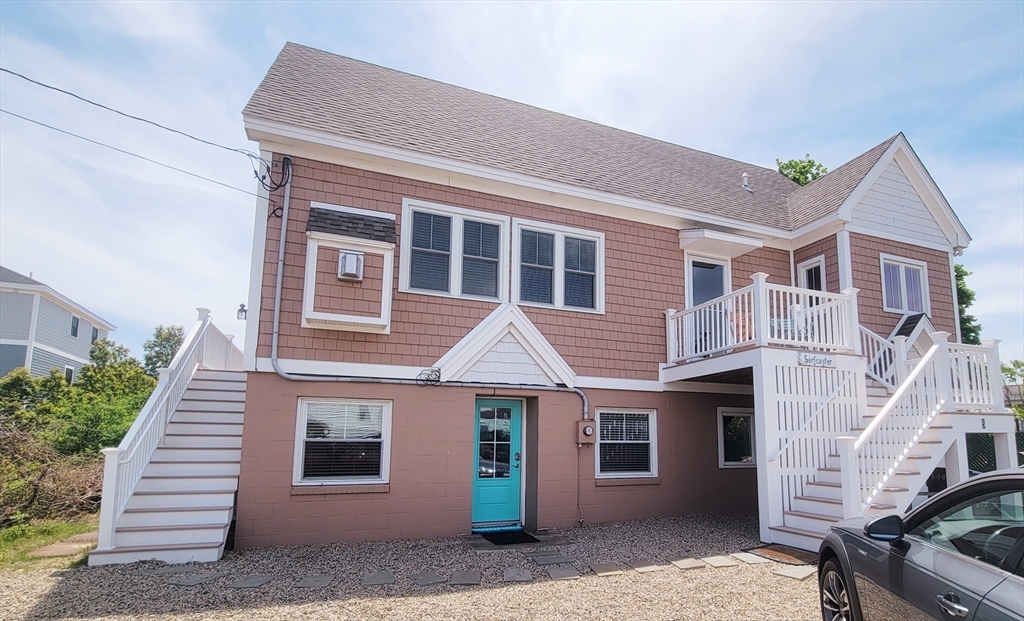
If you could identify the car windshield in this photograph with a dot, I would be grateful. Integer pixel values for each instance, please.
(984, 528)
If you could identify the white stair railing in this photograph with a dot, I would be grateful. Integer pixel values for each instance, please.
(204, 347)
(976, 377)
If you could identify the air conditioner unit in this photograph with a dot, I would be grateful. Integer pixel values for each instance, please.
(350, 265)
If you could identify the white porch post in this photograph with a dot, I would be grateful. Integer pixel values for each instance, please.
(109, 501)
(942, 370)
(900, 344)
(760, 309)
(853, 316)
(849, 476)
(956, 460)
(670, 336)
(770, 506)
(995, 375)
(1006, 450)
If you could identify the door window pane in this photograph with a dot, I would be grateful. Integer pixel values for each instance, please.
(708, 281)
(537, 257)
(431, 251)
(495, 443)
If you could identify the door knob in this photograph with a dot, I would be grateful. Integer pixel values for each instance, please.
(950, 604)
(517, 456)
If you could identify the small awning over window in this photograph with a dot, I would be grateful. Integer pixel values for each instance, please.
(717, 243)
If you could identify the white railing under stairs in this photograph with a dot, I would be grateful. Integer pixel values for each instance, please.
(205, 347)
(763, 314)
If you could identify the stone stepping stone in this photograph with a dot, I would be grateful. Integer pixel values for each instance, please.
(720, 561)
(195, 580)
(606, 569)
(646, 566)
(688, 563)
(428, 578)
(750, 559)
(466, 577)
(62, 548)
(378, 578)
(563, 573)
(172, 569)
(249, 582)
(541, 552)
(92, 537)
(797, 572)
(317, 581)
(515, 574)
(559, 559)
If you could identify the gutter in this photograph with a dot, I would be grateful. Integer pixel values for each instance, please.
(287, 162)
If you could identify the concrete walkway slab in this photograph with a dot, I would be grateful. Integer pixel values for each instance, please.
(515, 574)
(91, 537)
(720, 561)
(61, 548)
(689, 563)
(466, 577)
(558, 559)
(796, 572)
(606, 569)
(750, 559)
(378, 578)
(317, 581)
(646, 566)
(249, 582)
(194, 580)
(427, 578)
(563, 573)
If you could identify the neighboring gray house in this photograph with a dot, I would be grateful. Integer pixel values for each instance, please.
(41, 329)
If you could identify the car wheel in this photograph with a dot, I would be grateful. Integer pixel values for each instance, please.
(834, 591)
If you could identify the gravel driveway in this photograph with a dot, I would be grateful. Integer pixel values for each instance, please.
(740, 592)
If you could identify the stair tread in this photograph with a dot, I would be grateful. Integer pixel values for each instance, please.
(813, 516)
(189, 476)
(158, 548)
(831, 484)
(798, 531)
(177, 509)
(903, 472)
(200, 461)
(181, 492)
(140, 529)
(197, 448)
(837, 501)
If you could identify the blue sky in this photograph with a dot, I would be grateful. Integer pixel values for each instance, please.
(141, 245)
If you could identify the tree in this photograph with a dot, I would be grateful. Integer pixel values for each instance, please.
(160, 350)
(1013, 375)
(802, 171)
(112, 372)
(970, 329)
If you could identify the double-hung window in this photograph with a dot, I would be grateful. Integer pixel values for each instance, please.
(904, 285)
(558, 266)
(95, 335)
(626, 443)
(454, 252)
(340, 441)
(74, 326)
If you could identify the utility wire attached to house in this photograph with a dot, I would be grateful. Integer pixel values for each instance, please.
(266, 179)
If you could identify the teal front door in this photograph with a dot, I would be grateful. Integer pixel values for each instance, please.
(498, 471)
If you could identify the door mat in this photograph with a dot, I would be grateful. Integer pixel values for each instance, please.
(786, 554)
(509, 537)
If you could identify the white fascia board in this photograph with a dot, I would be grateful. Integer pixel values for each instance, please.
(505, 319)
(339, 369)
(717, 242)
(270, 132)
(353, 210)
(256, 267)
(60, 300)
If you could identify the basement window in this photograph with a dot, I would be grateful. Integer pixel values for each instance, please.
(626, 444)
(736, 438)
(342, 441)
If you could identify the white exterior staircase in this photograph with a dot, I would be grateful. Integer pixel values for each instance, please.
(180, 506)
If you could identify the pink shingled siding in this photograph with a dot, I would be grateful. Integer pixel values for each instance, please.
(771, 261)
(826, 246)
(348, 297)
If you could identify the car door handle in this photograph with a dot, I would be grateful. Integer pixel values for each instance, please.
(950, 604)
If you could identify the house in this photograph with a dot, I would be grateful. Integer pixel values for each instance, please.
(41, 329)
(469, 313)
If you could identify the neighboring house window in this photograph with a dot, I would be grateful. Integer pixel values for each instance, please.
(342, 441)
(69, 374)
(74, 326)
(904, 285)
(95, 335)
(811, 273)
(736, 438)
(452, 251)
(558, 266)
(627, 443)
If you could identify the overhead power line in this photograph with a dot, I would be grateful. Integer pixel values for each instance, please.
(266, 180)
(141, 157)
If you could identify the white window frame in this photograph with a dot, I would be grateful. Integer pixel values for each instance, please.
(558, 278)
(300, 437)
(731, 411)
(458, 216)
(884, 258)
(339, 321)
(67, 368)
(803, 266)
(706, 258)
(652, 425)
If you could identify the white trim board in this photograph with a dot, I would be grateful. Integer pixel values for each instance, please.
(256, 265)
(338, 321)
(352, 210)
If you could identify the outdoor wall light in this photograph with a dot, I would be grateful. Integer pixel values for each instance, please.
(241, 314)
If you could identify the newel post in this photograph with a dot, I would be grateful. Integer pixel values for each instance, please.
(943, 372)
(760, 309)
(853, 316)
(849, 476)
(109, 501)
(671, 338)
(995, 375)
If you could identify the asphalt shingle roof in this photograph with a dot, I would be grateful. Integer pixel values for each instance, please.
(351, 225)
(317, 90)
(14, 278)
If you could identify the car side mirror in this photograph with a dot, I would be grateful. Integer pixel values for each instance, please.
(886, 528)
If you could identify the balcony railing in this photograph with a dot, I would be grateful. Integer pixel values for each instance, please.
(763, 314)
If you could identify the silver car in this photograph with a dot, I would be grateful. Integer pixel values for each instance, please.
(957, 557)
